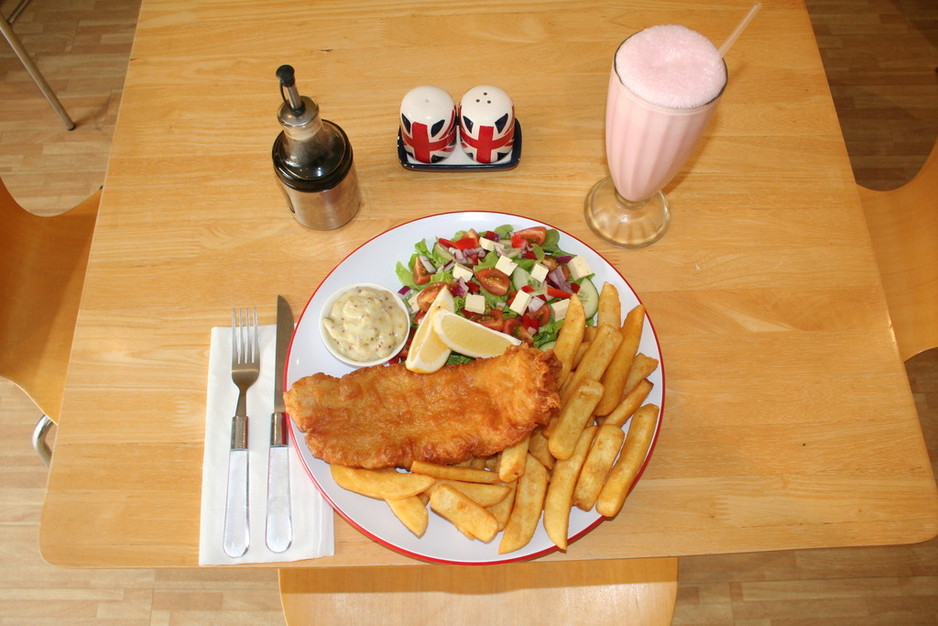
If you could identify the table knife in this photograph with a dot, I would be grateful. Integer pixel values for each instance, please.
(279, 516)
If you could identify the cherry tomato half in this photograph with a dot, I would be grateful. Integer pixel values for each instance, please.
(495, 281)
(421, 275)
(428, 294)
(514, 328)
(493, 319)
(535, 234)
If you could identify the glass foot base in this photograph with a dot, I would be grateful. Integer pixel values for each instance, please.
(624, 223)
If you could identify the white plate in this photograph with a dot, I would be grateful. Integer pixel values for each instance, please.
(374, 261)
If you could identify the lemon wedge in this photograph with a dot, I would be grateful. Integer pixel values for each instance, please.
(427, 352)
(467, 337)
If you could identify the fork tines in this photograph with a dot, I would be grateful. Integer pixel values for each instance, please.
(243, 335)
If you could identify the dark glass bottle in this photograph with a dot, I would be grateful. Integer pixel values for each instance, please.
(313, 161)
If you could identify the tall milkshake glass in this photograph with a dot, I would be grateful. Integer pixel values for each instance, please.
(664, 87)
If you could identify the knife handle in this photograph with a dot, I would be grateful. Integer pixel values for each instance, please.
(279, 516)
(237, 530)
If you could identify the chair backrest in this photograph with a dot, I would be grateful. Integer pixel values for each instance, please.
(903, 224)
(614, 591)
(42, 270)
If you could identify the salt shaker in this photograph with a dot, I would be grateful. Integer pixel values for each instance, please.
(313, 161)
(428, 124)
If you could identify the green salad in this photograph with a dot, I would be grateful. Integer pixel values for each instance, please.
(514, 281)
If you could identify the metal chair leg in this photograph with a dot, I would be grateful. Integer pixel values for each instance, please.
(16, 12)
(34, 72)
(39, 439)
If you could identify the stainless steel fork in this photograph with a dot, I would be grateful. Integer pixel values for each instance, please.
(245, 367)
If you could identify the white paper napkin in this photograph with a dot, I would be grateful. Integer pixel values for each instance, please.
(312, 516)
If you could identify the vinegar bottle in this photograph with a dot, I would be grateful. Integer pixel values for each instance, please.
(313, 161)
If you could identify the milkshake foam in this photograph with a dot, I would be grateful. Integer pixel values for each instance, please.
(671, 66)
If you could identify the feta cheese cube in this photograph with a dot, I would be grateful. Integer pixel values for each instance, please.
(461, 271)
(412, 302)
(559, 308)
(579, 268)
(539, 272)
(520, 303)
(506, 265)
(475, 303)
(486, 243)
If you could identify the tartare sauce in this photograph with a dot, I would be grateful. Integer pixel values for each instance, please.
(366, 324)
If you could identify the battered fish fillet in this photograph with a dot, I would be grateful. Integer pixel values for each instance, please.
(388, 416)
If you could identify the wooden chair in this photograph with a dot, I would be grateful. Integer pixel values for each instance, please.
(615, 591)
(903, 225)
(42, 270)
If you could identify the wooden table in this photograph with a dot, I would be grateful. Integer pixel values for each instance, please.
(789, 422)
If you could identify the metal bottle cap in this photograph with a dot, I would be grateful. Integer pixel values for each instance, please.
(296, 111)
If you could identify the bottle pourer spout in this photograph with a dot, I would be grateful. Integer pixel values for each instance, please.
(288, 89)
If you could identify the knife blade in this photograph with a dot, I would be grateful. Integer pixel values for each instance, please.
(279, 515)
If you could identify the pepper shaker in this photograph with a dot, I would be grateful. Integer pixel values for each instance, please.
(487, 123)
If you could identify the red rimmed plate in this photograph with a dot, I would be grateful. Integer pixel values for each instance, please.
(374, 261)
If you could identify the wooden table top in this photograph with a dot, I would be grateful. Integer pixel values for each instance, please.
(788, 423)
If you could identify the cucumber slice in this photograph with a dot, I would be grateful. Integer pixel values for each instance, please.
(548, 345)
(442, 252)
(589, 296)
(520, 278)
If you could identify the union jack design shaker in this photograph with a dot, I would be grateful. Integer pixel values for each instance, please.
(486, 123)
(428, 124)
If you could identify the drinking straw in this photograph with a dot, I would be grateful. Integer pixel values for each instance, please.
(739, 29)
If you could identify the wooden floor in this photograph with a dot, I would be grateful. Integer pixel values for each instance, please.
(881, 60)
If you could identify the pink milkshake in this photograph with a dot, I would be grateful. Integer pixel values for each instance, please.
(663, 89)
(662, 92)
